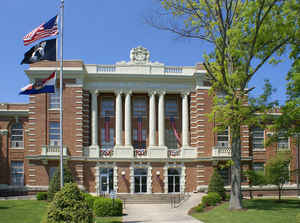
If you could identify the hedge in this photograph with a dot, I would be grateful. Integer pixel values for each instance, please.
(104, 207)
(42, 196)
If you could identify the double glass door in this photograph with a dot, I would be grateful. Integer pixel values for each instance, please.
(173, 180)
(140, 180)
(106, 180)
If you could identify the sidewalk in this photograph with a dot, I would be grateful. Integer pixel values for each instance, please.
(161, 213)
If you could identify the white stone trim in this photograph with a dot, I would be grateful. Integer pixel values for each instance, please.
(131, 178)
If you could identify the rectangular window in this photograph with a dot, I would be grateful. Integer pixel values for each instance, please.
(225, 174)
(54, 135)
(139, 107)
(223, 138)
(258, 138)
(258, 167)
(171, 108)
(107, 120)
(17, 138)
(54, 99)
(52, 171)
(107, 107)
(139, 141)
(107, 138)
(283, 141)
(171, 140)
(17, 173)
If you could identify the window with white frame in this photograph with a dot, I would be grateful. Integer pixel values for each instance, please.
(223, 138)
(54, 99)
(283, 141)
(258, 138)
(17, 173)
(54, 134)
(17, 135)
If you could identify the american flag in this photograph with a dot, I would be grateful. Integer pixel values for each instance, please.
(44, 30)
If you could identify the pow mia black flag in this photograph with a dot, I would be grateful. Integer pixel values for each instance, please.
(45, 50)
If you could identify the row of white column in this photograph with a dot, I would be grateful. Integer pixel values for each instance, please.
(152, 119)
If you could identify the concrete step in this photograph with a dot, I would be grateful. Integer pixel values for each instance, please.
(150, 198)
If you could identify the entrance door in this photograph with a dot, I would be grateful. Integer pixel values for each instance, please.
(140, 180)
(106, 180)
(173, 180)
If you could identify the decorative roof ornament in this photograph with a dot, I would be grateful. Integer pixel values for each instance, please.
(139, 55)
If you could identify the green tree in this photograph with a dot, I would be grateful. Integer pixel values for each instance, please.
(216, 184)
(69, 205)
(244, 35)
(277, 171)
(55, 181)
(255, 178)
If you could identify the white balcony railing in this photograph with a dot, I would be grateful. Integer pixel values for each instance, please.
(140, 153)
(106, 153)
(174, 153)
(221, 151)
(48, 150)
(130, 153)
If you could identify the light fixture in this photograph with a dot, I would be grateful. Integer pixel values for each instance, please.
(123, 173)
(157, 173)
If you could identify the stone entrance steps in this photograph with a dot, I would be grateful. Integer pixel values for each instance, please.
(151, 198)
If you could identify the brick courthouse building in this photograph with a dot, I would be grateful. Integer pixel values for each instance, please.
(132, 127)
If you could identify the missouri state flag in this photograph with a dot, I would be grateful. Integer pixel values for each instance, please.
(40, 86)
(44, 30)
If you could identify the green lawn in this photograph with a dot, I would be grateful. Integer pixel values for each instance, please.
(109, 220)
(257, 211)
(28, 211)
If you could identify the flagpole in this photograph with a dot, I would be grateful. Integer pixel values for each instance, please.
(61, 94)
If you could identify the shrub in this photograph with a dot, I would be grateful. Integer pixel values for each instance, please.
(42, 196)
(108, 207)
(227, 197)
(69, 205)
(211, 199)
(90, 199)
(55, 181)
(216, 184)
(200, 208)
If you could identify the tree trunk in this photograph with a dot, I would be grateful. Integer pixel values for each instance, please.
(250, 192)
(235, 202)
(279, 193)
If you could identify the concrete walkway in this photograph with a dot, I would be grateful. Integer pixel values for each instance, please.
(161, 213)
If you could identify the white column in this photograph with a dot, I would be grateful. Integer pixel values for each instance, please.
(161, 119)
(118, 118)
(185, 120)
(152, 119)
(94, 118)
(128, 119)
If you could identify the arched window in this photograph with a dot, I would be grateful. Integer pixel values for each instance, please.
(17, 136)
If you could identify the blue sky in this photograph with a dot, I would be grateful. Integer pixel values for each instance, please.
(102, 32)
